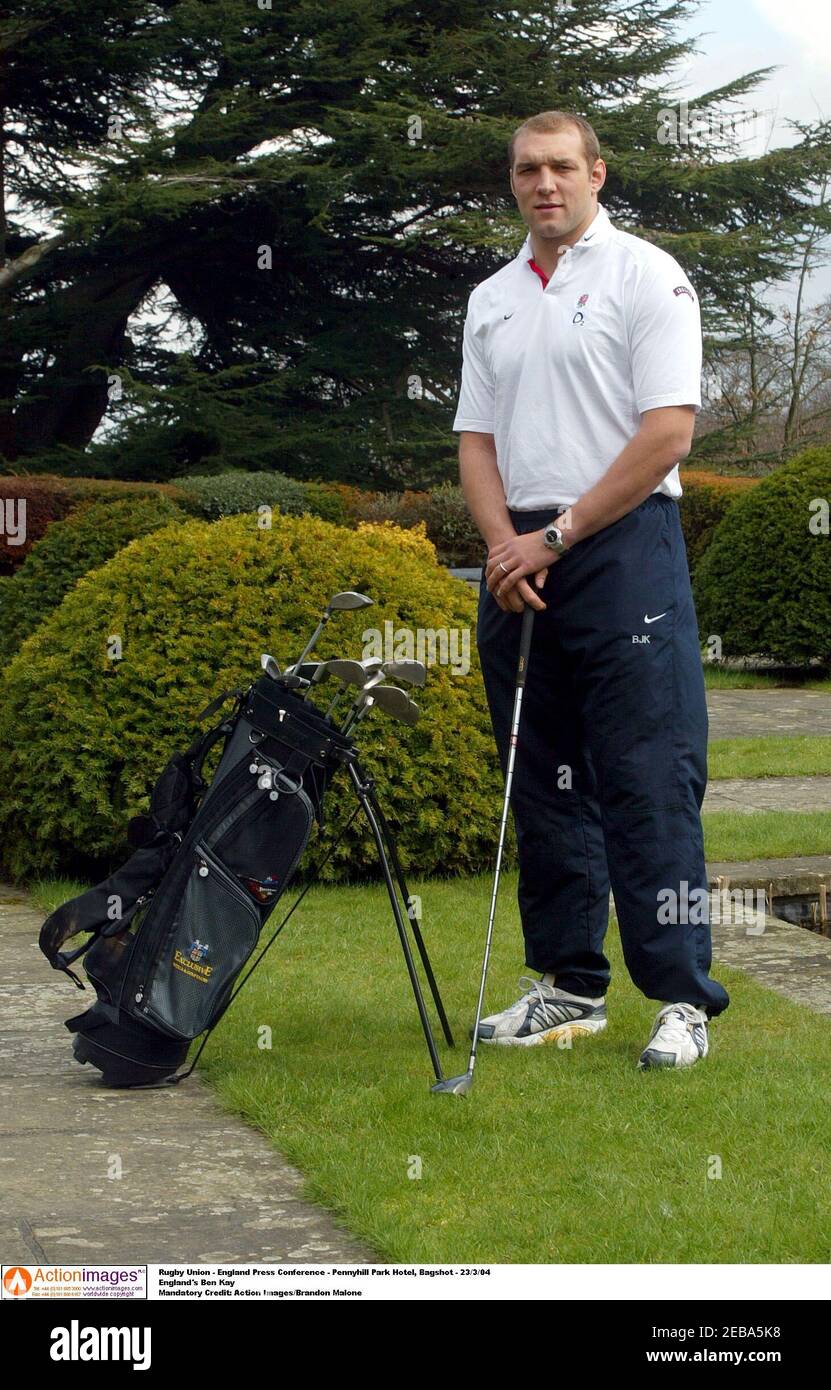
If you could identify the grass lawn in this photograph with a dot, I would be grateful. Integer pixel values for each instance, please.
(722, 678)
(798, 755)
(765, 834)
(558, 1155)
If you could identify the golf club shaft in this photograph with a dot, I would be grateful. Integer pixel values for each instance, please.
(312, 642)
(524, 654)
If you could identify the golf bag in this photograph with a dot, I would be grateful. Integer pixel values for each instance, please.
(173, 927)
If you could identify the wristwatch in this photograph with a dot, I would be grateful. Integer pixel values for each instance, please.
(552, 537)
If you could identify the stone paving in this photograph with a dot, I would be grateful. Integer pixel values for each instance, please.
(769, 794)
(745, 713)
(198, 1185)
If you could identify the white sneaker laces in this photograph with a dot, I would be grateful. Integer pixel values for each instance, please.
(674, 1024)
(533, 989)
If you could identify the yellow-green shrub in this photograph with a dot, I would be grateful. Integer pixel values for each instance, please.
(82, 738)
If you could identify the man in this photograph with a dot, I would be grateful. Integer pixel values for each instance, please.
(580, 385)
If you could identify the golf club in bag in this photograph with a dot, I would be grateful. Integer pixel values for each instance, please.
(172, 929)
(460, 1085)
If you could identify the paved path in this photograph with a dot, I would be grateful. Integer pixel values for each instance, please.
(790, 960)
(745, 713)
(197, 1184)
(769, 794)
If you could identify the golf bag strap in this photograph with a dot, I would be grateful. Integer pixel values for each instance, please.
(63, 959)
(217, 704)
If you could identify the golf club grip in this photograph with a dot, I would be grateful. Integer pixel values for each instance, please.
(525, 645)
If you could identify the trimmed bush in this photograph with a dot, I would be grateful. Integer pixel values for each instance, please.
(87, 538)
(82, 738)
(229, 494)
(451, 527)
(706, 499)
(404, 509)
(51, 498)
(444, 513)
(29, 506)
(324, 501)
(764, 584)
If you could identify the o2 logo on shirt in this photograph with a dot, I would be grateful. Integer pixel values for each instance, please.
(582, 301)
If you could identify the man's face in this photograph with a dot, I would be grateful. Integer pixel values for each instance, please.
(552, 183)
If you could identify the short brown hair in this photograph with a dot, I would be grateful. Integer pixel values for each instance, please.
(555, 120)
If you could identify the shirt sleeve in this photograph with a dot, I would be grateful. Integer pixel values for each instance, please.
(475, 408)
(665, 339)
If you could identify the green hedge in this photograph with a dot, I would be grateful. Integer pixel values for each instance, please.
(87, 538)
(707, 497)
(228, 494)
(194, 607)
(764, 584)
(50, 498)
(443, 511)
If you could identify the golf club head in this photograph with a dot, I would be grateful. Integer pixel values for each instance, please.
(396, 702)
(270, 666)
(310, 671)
(348, 599)
(346, 671)
(413, 672)
(453, 1085)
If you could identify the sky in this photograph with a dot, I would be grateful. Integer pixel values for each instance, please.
(739, 36)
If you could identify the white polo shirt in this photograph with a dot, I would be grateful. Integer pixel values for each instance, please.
(560, 374)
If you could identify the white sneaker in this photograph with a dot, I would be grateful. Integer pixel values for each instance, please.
(543, 1014)
(678, 1039)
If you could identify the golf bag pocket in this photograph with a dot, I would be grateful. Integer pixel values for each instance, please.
(214, 932)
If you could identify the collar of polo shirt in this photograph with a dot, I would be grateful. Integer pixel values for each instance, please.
(599, 230)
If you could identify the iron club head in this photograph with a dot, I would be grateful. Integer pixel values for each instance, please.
(413, 672)
(453, 1085)
(396, 702)
(270, 666)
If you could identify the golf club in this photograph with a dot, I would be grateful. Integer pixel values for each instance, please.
(347, 673)
(460, 1085)
(413, 672)
(389, 698)
(337, 603)
(270, 666)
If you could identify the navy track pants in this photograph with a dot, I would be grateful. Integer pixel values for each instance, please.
(611, 762)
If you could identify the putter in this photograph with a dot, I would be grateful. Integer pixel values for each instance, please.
(337, 603)
(460, 1085)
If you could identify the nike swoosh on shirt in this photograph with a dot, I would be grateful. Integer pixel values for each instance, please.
(509, 316)
(657, 616)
